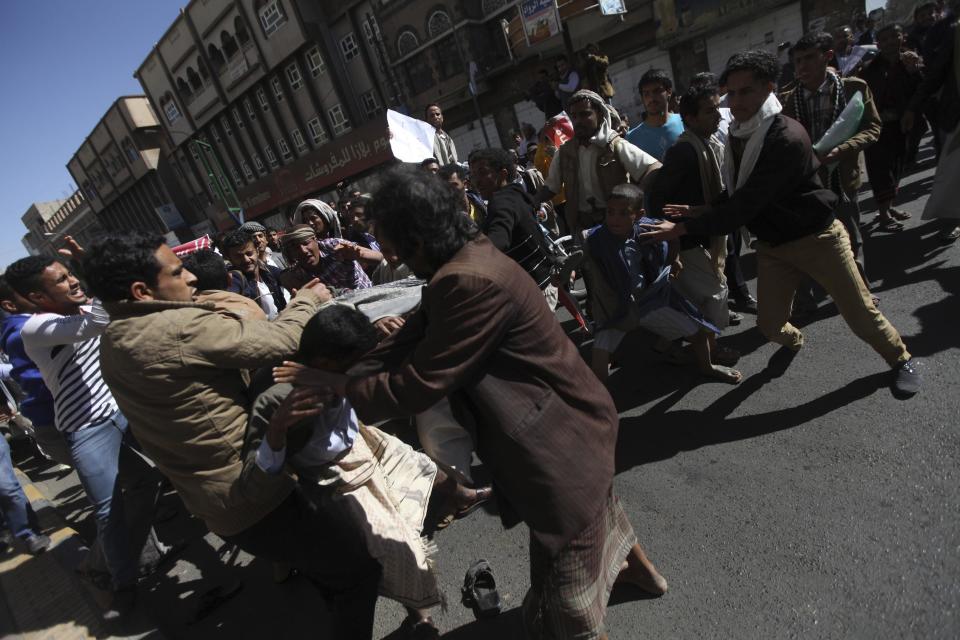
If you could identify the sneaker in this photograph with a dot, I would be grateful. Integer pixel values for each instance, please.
(908, 378)
(37, 544)
(735, 318)
(949, 234)
(121, 604)
(745, 303)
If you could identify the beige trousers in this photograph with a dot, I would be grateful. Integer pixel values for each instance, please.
(826, 257)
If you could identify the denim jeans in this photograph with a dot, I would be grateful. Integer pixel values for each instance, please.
(14, 505)
(107, 465)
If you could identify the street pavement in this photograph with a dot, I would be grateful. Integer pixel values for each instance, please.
(807, 502)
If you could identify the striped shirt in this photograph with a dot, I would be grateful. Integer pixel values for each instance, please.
(66, 350)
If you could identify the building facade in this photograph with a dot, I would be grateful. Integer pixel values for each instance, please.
(36, 241)
(266, 102)
(123, 176)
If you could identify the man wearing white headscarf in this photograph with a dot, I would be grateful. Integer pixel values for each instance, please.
(773, 188)
(593, 162)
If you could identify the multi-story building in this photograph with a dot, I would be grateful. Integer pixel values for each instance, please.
(37, 241)
(75, 218)
(266, 102)
(121, 171)
(431, 46)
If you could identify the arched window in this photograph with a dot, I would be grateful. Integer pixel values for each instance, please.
(183, 88)
(194, 79)
(202, 68)
(438, 23)
(216, 58)
(229, 45)
(406, 42)
(243, 36)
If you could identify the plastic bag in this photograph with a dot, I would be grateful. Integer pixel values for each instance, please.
(844, 127)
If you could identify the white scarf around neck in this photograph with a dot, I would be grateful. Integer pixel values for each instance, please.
(754, 131)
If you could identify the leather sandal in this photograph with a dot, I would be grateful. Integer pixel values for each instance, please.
(479, 591)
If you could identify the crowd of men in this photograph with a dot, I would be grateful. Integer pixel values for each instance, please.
(258, 378)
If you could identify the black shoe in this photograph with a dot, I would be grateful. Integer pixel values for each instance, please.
(734, 319)
(908, 378)
(37, 544)
(578, 294)
(746, 303)
(121, 604)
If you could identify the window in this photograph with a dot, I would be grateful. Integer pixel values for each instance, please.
(271, 17)
(228, 44)
(406, 42)
(216, 57)
(226, 126)
(237, 118)
(262, 99)
(241, 30)
(193, 152)
(348, 47)
(216, 134)
(236, 176)
(277, 88)
(170, 110)
(293, 76)
(259, 163)
(284, 149)
(438, 23)
(183, 89)
(338, 120)
(298, 140)
(251, 112)
(130, 150)
(370, 32)
(246, 171)
(369, 102)
(316, 131)
(315, 62)
(271, 158)
(196, 83)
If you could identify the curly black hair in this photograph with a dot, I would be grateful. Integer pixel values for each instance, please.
(762, 64)
(655, 76)
(118, 260)
(337, 331)
(209, 268)
(414, 209)
(23, 276)
(237, 238)
(820, 40)
(497, 159)
(690, 100)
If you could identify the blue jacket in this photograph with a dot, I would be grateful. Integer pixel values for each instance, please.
(38, 402)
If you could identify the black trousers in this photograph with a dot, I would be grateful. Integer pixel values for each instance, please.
(321, 544)
(734, 274)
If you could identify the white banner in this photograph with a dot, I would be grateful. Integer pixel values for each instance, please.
(411, 140)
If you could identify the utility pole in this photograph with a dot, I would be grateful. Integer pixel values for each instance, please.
(471, 88)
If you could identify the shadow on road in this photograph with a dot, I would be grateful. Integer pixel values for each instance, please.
(660, 434)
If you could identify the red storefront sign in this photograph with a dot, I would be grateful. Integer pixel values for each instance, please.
(354, 153)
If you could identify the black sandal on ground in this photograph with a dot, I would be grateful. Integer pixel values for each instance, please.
(889, 225)
(483, 496)
(479, 591)
(897, 214)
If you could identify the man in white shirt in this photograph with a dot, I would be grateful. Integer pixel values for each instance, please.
(260, 282)
(63, 339)
(444, 150)
(260, 240)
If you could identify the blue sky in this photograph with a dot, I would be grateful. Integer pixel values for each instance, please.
(63, 63)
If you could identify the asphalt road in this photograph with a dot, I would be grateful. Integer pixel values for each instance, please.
(807, 502)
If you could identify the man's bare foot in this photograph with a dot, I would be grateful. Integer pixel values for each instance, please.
(640, 572)
(723, 374)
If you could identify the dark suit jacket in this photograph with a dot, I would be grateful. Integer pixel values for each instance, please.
(782, 200)
(484, 338)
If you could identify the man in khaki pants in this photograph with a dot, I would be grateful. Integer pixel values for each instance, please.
(773, 189)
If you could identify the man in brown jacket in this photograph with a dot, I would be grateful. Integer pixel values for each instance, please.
(543, 424)
(816, 101)
(174, 367)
